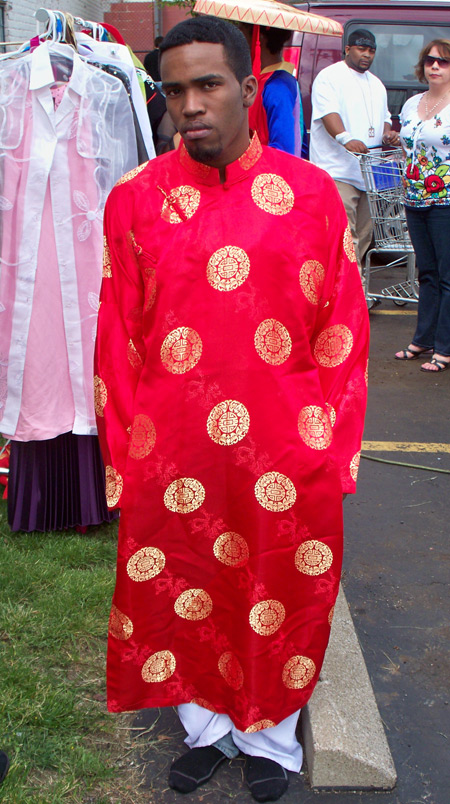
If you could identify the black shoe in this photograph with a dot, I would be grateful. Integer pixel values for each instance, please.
(4, 765)
(266, 779)
(194, 768)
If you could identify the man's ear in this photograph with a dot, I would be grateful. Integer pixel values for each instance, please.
(249, 88)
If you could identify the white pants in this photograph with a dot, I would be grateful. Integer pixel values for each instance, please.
(278, 743)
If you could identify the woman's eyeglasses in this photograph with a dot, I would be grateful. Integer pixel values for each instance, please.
(430, 60)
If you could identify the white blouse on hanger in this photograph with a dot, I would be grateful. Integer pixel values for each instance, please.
(58, 163)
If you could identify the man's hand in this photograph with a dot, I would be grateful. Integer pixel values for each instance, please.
(356, 147)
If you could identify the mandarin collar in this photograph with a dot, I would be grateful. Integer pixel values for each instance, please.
(234, 172)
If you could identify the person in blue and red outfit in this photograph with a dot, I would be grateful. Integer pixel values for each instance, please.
(277, 114)
(231, 386)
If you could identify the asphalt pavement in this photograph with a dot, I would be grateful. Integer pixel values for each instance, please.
(395, 579)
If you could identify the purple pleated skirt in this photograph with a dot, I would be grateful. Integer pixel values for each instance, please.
(57, 484)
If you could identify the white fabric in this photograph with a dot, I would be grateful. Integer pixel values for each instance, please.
(119, 55)
(57, 167)
(277, 743)
(361, 101)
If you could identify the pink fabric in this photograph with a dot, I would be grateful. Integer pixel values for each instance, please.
(57, 94)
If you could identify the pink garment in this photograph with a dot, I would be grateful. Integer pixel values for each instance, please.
(61, 152)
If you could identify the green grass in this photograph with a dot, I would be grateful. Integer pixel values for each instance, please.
(55, 595)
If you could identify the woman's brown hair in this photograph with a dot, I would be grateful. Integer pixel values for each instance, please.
(443, 46)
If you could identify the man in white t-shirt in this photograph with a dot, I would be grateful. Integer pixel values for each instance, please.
(350, 115)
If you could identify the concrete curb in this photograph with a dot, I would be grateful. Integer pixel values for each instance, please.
(343, 736)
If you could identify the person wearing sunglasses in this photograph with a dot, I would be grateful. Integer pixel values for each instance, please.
(425, 136)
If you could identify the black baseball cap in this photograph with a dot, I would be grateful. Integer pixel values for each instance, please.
(362, 38)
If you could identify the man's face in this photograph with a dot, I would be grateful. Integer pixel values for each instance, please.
(206, 102)
(359, 58)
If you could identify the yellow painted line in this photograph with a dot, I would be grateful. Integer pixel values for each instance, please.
(403, 446)
(393, 312)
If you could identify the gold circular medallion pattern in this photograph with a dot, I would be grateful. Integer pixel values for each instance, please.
(228, 268)
(228, 422)
(113, 486)
(314, 427)
(273, 342)
(159, 667)
(298, 672)
(120, 626)
(272, 194)
(146, 563)
(204, 703)
(143, 436)
(231, 670)
(331, 413)
(349, 248)
(330, 616)
(333, 345)
(100, 395)
(184, 495)
(231, 549)
(193, 604)
(275, 492)
(313, 558)
(354, 466)
(311, 277)
(267, 616)
(133, 355)
(181, 204)
(259, 726)
(181, 350)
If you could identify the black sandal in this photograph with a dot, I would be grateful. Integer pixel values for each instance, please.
(441, 365)
(415, 353)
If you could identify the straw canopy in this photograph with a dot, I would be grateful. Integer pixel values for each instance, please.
(270, 13)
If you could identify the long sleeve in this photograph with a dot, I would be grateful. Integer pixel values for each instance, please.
(119, 349)
(279, 98)
(340, 345)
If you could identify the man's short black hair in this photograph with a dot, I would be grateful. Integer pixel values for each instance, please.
(275, 39)
(215, 31)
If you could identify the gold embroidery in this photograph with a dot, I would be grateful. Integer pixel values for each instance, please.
(298, 672)
(231, 670)
(313, 558)
(267, 616)
(231, 549)
(100, 395)
(145, 564)
(131, 174)
(314, 427)
(193, 604)
(159, 667)
(275, 492)
(252, 154)
(273, 342)
(331, 413)
(366, 373)
(150, 289)
(272, 194)
(136, 248)
(228, 422)
(143, 436)
(330, 616)
(228, 268)
(133, 355)
(181, 350)
(197, 168)
(113, 486)
(107, 272)
(349, 248)
(354, 466)
(311, 277)
(261, 724)
(204, 703)
(120, 626)
(333, 345)
(184, 495)
(180, 204)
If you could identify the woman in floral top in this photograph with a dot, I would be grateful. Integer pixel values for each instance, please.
(425, 135)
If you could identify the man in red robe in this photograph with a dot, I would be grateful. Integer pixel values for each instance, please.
(230, 387)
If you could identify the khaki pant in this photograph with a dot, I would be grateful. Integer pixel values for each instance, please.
(357, 209)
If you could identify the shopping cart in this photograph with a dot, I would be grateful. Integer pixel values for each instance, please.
(383, 177)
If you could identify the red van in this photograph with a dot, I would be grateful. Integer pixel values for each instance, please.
(401, 29)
